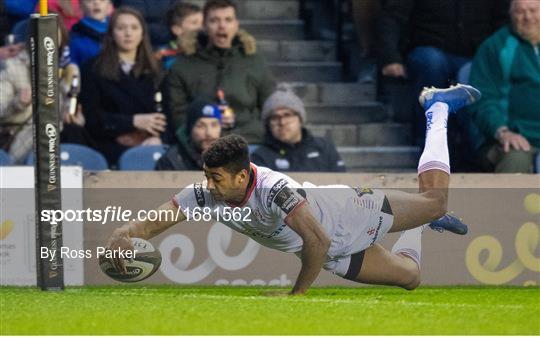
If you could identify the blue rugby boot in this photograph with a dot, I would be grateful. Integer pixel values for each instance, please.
(449, 223)
(456, 97)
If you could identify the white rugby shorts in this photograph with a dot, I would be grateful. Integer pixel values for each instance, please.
(367, 219)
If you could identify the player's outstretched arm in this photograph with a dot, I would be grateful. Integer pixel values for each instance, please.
(146, 229)
(314, 249)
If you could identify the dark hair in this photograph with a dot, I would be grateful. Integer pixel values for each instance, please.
(108, 61)
(179, 11)
(64, 33)
(230, 152)
(218, 4)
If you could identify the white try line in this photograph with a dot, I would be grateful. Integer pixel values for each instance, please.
(301, 299)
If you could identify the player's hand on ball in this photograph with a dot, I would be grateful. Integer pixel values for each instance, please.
(119, 240)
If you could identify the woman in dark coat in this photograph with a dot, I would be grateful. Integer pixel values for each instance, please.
(120, 86)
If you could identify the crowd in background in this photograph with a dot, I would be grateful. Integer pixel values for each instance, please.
(169, 72)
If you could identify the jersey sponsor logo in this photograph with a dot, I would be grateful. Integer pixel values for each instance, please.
(259, 216)
(199, 194)
(363, 191)
(250, 232)
(274, 191)
(287, 200)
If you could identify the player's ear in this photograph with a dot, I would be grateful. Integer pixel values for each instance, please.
(242, 175)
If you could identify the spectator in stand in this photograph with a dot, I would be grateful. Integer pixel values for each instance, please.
(222, 60)
(16, 99)
(364, 14)
(202, 129)
(69, 10)
(288, 145)
(87, 34)
(507, 71)
(9, 51)
(181, 19)
(119, 86)
(13, 11)
(153, 12)
(429, 41)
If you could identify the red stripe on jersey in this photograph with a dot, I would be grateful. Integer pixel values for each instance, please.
(175, 202)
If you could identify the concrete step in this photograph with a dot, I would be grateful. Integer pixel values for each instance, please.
(267, 9)
(263, 9)
(300, 50)
(274, 29)
(334, 93)
(340, 134)
(366, 134)
(384, 134)
(307, 71)
(404, 157)
(346, 114)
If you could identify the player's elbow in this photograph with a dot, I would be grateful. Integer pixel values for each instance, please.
(322, 241)
(325, 242)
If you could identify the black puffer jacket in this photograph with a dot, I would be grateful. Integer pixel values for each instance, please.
(312, 154)
(456, 26)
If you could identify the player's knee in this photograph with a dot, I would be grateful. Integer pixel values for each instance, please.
(412, 285)
(411, 279)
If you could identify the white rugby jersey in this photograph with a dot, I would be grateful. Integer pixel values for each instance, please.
(271, 198)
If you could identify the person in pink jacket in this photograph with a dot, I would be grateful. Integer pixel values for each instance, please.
(69, 10)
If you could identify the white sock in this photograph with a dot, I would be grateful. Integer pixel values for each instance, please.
(435, 155)
(410, 244)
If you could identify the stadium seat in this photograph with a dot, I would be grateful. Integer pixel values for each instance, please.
(5, 159)
(141, 158)
(76, 154)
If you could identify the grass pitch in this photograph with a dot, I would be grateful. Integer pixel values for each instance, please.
(244, 310)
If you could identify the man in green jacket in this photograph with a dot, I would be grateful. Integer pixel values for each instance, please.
(506, 69)
(222, 59)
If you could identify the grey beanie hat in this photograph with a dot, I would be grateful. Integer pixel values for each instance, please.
(284, 98)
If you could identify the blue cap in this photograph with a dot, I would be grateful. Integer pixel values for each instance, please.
(199, 109)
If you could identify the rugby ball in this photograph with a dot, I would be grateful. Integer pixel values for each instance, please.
(146, 262)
